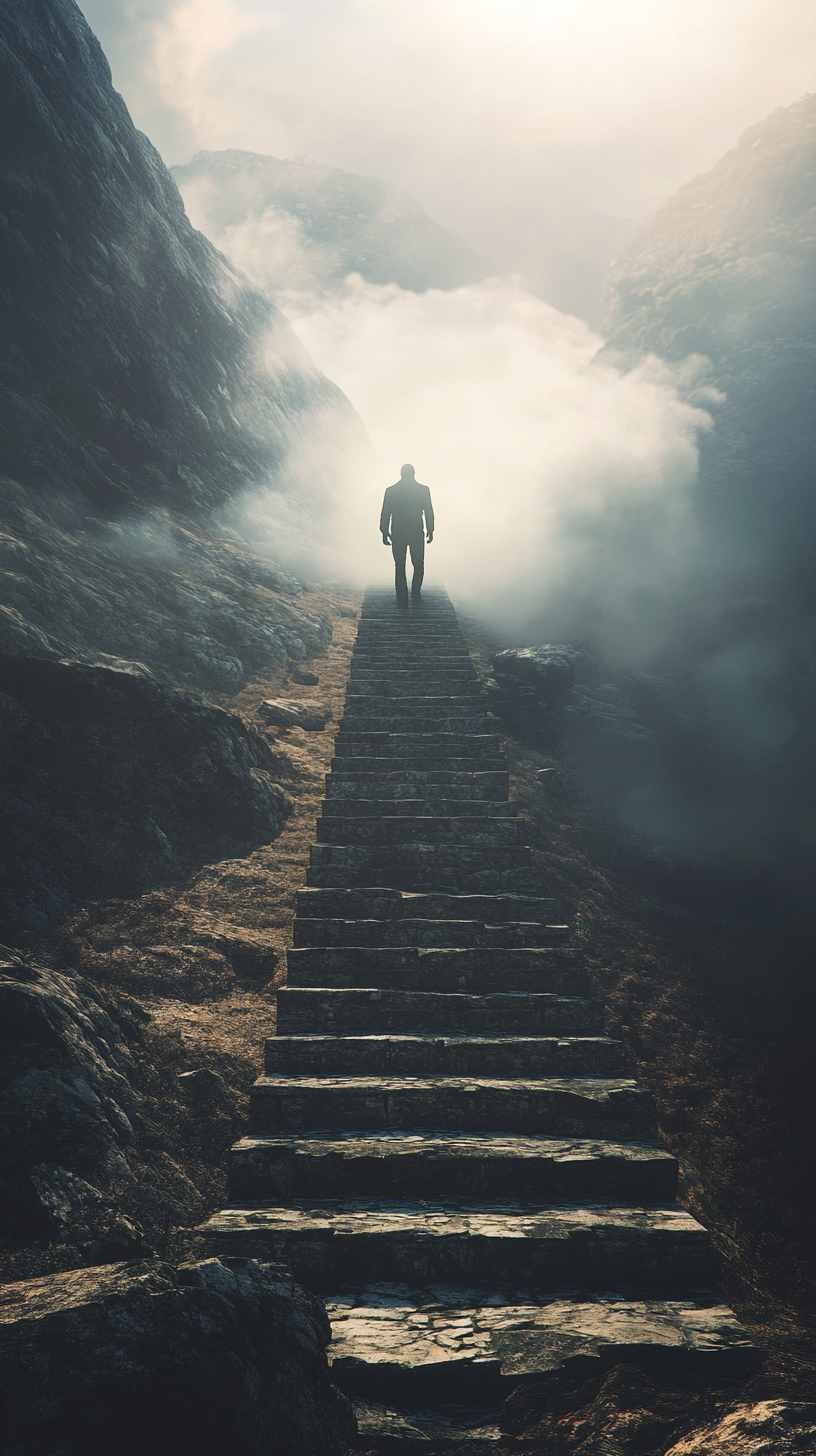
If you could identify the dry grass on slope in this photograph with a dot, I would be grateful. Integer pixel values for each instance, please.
(203, 960)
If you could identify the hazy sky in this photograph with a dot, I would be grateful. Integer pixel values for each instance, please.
(478, 107)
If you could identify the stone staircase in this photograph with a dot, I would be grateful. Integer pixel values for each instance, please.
(445, 1146)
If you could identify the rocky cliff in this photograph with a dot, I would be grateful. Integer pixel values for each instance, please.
(143, 384)
(722, 284)
(138, 366)
(727, 270)
(299, 227)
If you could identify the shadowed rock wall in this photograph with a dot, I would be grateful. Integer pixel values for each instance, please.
(137, 365)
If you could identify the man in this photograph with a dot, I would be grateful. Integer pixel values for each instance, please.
(401, 526)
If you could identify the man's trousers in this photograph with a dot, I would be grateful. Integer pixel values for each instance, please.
(415, 543)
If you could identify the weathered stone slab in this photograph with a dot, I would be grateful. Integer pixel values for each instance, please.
(428, 829)
(454, 1167)
(411, 784)
(380, 1347)
(360, 1010)
(435, 1056)
(384, 903)
(590, 1248)
(426, 933)
(561, 1107)
(346, 765)
(480, 970)
(417, 807)
(423, 866)
(434, 745)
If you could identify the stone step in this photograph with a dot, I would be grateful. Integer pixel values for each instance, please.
(404, 830)
(418, 808)
(588, 1248)
(390, 904)
(469, 788)
(358, 1011)
(479, 971)
(558, 1107)
(545, 1170)
(353, 766)
(381, 691)
(432, 653)
(446, 705)
(456, 679)
(392, 1346)
(424, 639)
(432, 746)
(506, 935)
(394, 722)
(452, 1056)
(457, 868)
(416, 663)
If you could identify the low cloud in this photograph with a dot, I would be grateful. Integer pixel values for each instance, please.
(559, 486)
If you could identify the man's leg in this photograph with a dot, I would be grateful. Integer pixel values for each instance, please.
(398, 550)
(417, 545)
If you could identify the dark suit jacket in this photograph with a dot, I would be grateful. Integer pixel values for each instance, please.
(403, 505)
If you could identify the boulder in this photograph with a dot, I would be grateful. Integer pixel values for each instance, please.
(303, 678)
(112, 783)
(198, 1359)
(295, 713)
(550, 668)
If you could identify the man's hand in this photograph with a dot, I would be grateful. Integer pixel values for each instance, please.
(386, 539)
(429, 537)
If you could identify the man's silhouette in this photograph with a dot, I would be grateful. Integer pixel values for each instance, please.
(401, 524)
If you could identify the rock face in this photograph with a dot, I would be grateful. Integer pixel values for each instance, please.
(726, 273)
(112, 783)
(195, 1360)
(143, 382)
(727, 269)
(299, 227)
(70, 1115)
(138, 366)
(197, 608)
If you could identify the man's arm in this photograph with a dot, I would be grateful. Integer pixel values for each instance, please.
(385, 516)
(429, 515)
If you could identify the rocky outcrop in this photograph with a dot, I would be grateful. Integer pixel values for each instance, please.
(179, 596)
(69, 1116)
(194, 1360)
(298, 227)
(112, 783)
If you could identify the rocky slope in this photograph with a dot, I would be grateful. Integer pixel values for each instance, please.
(298, 227)
(138, 366)
(727, 270)
(722, 285)
(143, 384)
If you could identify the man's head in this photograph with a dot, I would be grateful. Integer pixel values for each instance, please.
(407, 472)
